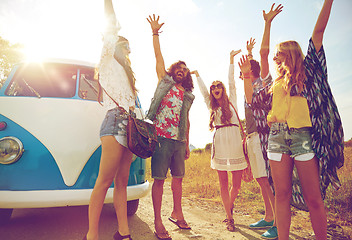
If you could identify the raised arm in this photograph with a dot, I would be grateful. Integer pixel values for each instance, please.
(109, 12)
(250, 46)
(245, 67)
(203, 89)
(160, 64)
(318, 32)
(231, 77)
(264, 49)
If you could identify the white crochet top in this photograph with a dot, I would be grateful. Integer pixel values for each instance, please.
(112, 75)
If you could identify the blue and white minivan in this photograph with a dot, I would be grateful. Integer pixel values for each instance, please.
(49, 138)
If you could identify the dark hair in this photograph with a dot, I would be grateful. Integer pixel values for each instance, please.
(255, 67)
(187, 82)
(224, 104)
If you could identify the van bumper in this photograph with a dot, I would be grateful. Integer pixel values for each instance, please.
(60, 198)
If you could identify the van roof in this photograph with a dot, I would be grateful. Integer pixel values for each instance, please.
(64, 61)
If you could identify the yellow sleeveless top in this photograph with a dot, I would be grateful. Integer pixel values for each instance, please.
(290, 109)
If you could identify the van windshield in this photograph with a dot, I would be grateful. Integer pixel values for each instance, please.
(44, 80)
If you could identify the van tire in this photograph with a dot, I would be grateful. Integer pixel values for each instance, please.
(5, 215)
(132, 207)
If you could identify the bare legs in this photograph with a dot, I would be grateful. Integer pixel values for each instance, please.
(114, 166)
(157, 194)
(228, 197)
(268, 198)
(308, 173)
(309, 177)
(176, 186)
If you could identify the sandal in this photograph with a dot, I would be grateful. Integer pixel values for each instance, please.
(163, 236)
(230, 224)
(182, 224)
(118, 236)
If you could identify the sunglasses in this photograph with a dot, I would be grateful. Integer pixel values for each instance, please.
(278, 53)
(219, 85)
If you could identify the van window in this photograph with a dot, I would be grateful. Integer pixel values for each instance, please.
(88, 85)
(44, 80)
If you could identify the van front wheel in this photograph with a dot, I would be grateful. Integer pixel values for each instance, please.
(5, 215)
(132, 207)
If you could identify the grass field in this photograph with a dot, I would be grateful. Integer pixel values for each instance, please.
(202, 182)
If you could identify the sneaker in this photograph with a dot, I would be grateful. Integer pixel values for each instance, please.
(271, 233)
(262, 224)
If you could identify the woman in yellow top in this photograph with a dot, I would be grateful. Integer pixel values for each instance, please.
(291, 102)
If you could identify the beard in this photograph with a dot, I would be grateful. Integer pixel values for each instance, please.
(178, 76)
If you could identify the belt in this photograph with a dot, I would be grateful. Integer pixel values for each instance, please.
(225, 125)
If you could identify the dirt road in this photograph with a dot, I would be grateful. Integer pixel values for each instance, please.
(204, 217)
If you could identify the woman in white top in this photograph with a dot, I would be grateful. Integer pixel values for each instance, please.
(118, 85)
(227, 153)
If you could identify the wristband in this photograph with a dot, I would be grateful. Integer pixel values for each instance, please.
(247, 75)
(156, 33)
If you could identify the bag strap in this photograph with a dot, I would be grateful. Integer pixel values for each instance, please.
(121, 108)
(239, 121)
(118, 106)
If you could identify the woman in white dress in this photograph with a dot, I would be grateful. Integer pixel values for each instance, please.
(117, 85)
(227, 153)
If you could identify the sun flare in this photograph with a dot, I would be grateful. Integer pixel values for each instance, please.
(76, 34)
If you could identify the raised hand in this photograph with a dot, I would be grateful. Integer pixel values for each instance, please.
(195, 72)
(245, 66)
(250, 45)
(154, 23)
(234, 53)
(268, 17)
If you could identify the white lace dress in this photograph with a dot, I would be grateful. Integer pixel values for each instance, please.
(227, 153)
(112, 75)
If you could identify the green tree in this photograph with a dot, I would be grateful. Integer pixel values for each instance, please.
(10, 54)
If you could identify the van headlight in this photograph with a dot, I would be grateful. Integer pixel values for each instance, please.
(11, 150)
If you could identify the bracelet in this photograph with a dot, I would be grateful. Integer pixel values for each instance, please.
(156, 33)
(246, 75)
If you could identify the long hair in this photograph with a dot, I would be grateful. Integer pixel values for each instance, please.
(291, 71)
(125, 62)
(223, 103)
(187, 82)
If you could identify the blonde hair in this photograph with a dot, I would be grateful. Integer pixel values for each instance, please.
(291, 70)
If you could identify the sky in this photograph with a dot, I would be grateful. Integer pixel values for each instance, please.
(200, 32)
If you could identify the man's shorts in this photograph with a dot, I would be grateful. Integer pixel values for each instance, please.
(296, 142)
(255, 156)
(171, 154)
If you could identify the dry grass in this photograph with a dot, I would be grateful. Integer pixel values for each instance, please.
(339, 203)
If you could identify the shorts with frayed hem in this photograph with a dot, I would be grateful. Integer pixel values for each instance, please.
(296, 142)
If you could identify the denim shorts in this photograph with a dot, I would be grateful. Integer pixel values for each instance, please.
(115, 123)
(171, 154)
(296, 142)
